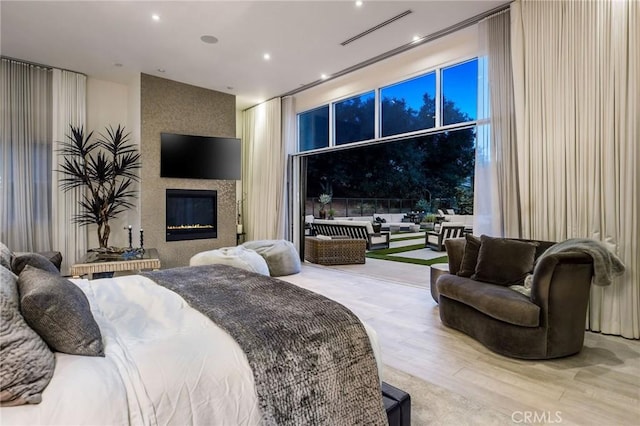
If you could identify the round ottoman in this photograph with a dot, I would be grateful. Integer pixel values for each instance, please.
(437, 269)
(240, 257)
(281, 256)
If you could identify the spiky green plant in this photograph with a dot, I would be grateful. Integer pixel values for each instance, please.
(106, 168)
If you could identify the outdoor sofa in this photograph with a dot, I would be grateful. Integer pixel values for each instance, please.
(355, 229)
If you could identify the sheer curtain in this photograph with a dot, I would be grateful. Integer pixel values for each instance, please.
(69, 108)
(263, 171)
(25, 156)
(496, 200)
(289, 147)
(576, 68)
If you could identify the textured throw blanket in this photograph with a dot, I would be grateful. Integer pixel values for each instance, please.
(311, 357)
(606, 264)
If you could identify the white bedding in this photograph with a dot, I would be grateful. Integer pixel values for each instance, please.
(165, 363)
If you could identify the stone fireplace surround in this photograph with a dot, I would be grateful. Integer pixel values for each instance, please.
(173, 107)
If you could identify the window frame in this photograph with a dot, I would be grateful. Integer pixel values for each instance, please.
(412, 77)
(329, 127)
(333, 135)
(438, 128)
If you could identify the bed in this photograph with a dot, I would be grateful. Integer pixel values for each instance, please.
(166, 362)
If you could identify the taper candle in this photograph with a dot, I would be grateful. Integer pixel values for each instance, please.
(130, 239)
(141, 238)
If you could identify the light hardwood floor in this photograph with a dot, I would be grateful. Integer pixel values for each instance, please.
(599, 386)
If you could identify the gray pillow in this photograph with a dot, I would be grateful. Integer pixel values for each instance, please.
(27, 362)
(59, 312)
(9, 285)
(503, 261)
(33, 259)
(5, 256)
(281, 256)
(470, 256)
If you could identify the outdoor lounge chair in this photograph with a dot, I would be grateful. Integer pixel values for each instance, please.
(435, 239)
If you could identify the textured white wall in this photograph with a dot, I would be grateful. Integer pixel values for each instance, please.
(446, 50)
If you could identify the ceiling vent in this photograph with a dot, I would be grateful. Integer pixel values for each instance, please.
(377, 27)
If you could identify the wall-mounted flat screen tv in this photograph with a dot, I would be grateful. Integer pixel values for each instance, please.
(200, 157)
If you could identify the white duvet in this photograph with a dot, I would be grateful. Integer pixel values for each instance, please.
(165, 363)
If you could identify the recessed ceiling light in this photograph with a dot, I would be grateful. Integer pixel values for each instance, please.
(209, 39)
(359, 3)
(161, 70)
(266, 56)
(229, 87)
(416, 37)
(117, 64)
(155, 17)
(324, 76)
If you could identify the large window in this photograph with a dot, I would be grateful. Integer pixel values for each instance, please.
(425, 172)
(409, 105)
(446, 96)
(459, 93)
(354, 118)
(314, 128)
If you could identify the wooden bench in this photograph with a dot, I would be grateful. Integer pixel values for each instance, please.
(352, 229)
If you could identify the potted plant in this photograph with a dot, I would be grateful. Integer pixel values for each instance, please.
(429, 221)
(332, 213)
(324, 199)
(106, 169)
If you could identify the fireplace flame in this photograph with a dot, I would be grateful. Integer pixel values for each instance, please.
(187, 227)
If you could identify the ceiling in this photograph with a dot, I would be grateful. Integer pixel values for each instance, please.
(117, 40)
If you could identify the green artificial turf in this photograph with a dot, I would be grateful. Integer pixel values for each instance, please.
(415, 237)
(384, 255)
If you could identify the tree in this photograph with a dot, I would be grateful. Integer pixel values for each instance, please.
(439, 164)
(106, 169)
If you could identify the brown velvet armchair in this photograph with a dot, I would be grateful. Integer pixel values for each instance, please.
(549, 324)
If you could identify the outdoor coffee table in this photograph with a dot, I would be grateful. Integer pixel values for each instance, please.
(92, 263)
(342, 251)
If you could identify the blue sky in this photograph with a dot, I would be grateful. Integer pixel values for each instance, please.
(459, 83)
(412, 90)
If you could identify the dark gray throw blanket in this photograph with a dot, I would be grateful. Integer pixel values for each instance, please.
(311, 357)
(606, 265)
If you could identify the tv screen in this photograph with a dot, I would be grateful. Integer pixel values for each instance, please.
(200, 157)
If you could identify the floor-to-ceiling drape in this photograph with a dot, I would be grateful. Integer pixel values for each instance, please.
(25, 156)
(289, 139)
(576, 69)
(496, 201)
(263, 171)
(69, 108)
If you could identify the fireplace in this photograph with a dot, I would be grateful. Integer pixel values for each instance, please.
(191, 214)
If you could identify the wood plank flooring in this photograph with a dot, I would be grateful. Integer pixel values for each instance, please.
(599, 386)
